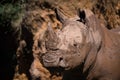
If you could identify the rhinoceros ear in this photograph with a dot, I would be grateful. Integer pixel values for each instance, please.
(60, 16)
(82, 15)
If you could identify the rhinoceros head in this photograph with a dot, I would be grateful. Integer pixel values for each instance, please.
(68, 47)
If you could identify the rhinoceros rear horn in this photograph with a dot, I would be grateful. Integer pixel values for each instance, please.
(60, 16)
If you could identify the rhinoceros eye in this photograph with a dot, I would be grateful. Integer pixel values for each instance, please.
(75, 45)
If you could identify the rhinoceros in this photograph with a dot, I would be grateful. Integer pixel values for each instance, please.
(83, 41)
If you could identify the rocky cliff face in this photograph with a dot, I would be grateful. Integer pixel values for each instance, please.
(40, 12)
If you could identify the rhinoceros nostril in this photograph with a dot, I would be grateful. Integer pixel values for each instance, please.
(60, 59)
(62, 62)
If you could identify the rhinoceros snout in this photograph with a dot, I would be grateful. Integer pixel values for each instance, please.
(53, 60)
(50, 59)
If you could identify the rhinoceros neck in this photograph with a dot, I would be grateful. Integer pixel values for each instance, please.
(95, 39)
(90, 60)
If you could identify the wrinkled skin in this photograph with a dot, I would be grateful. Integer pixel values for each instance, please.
(84, 43)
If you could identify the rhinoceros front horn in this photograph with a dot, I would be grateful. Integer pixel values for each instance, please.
(51, 37)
